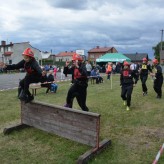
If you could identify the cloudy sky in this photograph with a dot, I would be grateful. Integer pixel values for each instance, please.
(66, 25)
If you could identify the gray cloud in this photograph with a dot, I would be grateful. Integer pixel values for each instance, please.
(130, 26)
(73, 4)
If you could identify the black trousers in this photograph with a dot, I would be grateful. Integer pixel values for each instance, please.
(88, 73)
(158, 86)
(126, 93)
(24, 83)
(78, 90)
(143, 81)
(46, 85)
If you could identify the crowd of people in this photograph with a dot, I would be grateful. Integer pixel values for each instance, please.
(81, 71)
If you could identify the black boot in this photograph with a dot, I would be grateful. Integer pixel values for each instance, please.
(29, 99)
(22, 96)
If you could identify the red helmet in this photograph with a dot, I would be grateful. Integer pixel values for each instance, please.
(155, 61)
(144, 59)
(126, 63)
(28, 52)
(76, 57)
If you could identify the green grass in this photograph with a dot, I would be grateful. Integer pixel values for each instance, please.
(136, 135)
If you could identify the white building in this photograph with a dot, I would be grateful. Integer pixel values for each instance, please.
(12, 53)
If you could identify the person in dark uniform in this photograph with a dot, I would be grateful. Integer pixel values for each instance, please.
(79, 86)
(127, 83)
(158, 78)
(144, 69)
(33, 75)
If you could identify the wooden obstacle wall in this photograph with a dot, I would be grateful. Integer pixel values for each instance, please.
(73, 124)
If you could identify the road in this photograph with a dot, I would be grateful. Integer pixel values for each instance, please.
(11, 80)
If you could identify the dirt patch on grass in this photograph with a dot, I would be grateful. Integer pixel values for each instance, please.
(141, 137)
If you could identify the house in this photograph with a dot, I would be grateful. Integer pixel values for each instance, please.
(12, 53)
(64, 56)
(97, 52)
(137, 57)
(52, 57)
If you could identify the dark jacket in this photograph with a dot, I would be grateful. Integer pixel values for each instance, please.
(50, 78)
(145, 68)
(158, 71)
(78, 74)
(127, 76)
(43, 79)
(32, 67)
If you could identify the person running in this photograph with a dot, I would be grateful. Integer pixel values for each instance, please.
(144, 69)
(158, 78)
(127, 84)
(33, 75)
(79, 86)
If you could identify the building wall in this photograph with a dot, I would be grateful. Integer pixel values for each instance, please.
(18, 50)
(5, 48)
(92, 56)
(63, 58)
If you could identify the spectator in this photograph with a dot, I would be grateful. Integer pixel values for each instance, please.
(50, 79)
(89, 68)
(94, 75)
(108, 70)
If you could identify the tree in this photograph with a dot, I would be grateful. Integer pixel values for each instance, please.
(157, 49)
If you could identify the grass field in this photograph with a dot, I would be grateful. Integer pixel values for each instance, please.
(136, 135)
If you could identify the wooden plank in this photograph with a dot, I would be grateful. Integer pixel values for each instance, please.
(73, 124)
(52, 118)
(8, 130)
(83, 159)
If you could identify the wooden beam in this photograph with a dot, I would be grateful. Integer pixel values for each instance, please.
(83, 159)
(77, 125)
(17, 127)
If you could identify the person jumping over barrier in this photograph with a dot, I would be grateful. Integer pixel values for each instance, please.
(158, 78)
(79, 86)
(144, 69)
(127, 84)
(33, 75)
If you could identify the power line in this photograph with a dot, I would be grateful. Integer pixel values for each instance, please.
(161, 45)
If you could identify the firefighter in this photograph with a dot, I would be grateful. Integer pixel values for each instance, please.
(158, 78)
(79, 86)
(144, 69)
(127, 83)
(33, 75)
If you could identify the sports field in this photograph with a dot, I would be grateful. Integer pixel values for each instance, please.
(136, 135)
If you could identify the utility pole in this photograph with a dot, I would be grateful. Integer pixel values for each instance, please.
(161, 46)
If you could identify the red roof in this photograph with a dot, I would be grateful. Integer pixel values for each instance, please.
(99, 49)
(63, 54)
(8, 53)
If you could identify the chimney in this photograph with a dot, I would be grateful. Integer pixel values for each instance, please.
(3, 43)
(97, 47)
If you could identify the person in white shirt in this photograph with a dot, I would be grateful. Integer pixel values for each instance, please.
(89, 68)
(61, 74)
